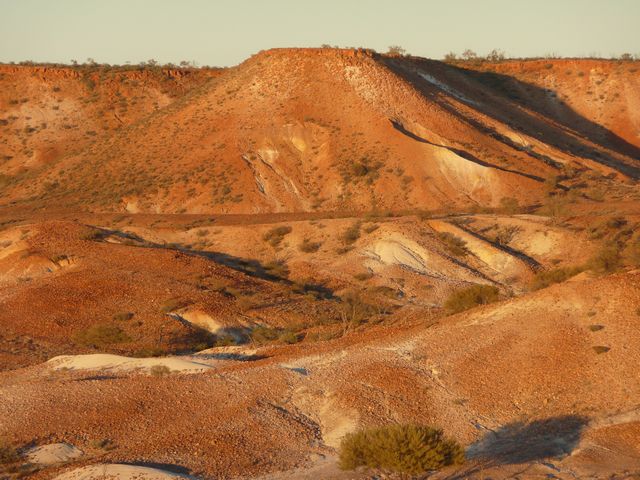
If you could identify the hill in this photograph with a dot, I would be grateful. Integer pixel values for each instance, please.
(323, 130)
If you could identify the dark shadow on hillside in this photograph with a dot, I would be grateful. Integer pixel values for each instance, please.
(556, 128)
(249, 267)
(530, 261)
(461, 153)
(167, 467)
(521, 442)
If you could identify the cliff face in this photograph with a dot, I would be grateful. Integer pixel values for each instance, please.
(314, 129)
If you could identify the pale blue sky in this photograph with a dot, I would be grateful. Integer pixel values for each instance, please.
(225, 32)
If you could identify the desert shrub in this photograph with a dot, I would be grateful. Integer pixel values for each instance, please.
(371, 228)
(289, 336)
(354, 310)
(59, 257)
(275, 236)
(454, 245)
(104, 444)
(246, 302)
(277, 268)
(606, 227)
(123, 316)
(596, 328)
(406, 449)
(509, 205)
(307, 246)
(607, 260)
(504, 235)
(225, 341)
(601, 349)
(363, 276)
(101, 335)
(173, 304)
(91, 233)
(159, 370)
(632, 254)
(470, 297)
(8, 453)
(351, 234)
(262, 335)
(549, 277)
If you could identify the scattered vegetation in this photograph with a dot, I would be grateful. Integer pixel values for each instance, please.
(91, 233)
(351, 234)
(159, 370)
(510, 205)
(173, 304)
(261, 335)
(470, 297)
(362, 276)
(607, 260)
(546, 278)
(275, 236)
(123, 316)
(277, 268)
(104, 444)
(453, 244)
(307, 246)
(8, 453)
(601, 349)
(101, 335)
(405, 449)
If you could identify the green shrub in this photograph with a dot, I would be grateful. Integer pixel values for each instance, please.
(549, 277)
(454, 245)
(101, 335)
(289, 337)
(406, 449)
(262, 334)
(470, 297)
(159, 370)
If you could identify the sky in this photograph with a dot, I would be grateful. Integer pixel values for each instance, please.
(225, 32)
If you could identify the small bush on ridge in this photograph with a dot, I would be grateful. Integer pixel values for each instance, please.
(470, 297)
(406, 449)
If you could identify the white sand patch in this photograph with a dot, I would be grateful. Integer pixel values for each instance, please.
(400, 251)
(103, 361)
(504, 264)
(464, 174)
(53, 453)
(199, 319)
(119, 472)
(446, 88)
(336, 422)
